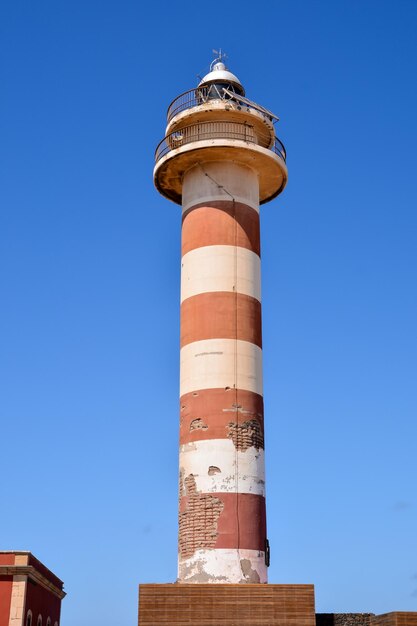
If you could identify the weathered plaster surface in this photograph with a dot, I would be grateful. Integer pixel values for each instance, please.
(220, 181)
(223, 566)
(239, 471)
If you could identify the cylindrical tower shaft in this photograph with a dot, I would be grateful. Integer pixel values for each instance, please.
(222, 531)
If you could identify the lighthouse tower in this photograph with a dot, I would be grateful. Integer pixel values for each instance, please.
(220, 159)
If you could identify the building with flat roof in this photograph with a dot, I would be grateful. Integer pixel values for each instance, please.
(30, 594)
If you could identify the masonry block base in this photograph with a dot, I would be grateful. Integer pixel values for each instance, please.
(229, 605)
(396, 618)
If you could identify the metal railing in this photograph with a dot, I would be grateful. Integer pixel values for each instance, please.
(279, 149)
(212, 93)
(193, 98)
(216, 130)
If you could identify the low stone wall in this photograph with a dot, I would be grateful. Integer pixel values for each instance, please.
(396, 618)
(344, 619)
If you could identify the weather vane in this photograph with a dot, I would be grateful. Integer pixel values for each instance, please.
(220, 55)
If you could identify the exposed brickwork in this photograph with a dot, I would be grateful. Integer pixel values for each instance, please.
(198, 424)
(198, 523)
(247, 434)
(181, 490)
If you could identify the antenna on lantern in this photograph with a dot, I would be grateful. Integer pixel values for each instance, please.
(220, 55)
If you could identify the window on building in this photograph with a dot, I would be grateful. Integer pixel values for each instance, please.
(39, 622)
(48, 622)
(29, 618)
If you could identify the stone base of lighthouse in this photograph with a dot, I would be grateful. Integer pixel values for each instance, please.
(248, 605)
(229, 605)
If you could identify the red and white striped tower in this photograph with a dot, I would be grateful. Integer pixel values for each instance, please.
(220, 159)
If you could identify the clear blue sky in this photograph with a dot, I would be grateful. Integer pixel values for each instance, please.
(89, 263)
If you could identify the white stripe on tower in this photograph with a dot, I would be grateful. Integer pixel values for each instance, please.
(211, 363)
(223, 454)
(200, 188)
(222, 527)
(220, 268)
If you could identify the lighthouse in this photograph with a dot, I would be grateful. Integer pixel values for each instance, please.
(220, 160)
